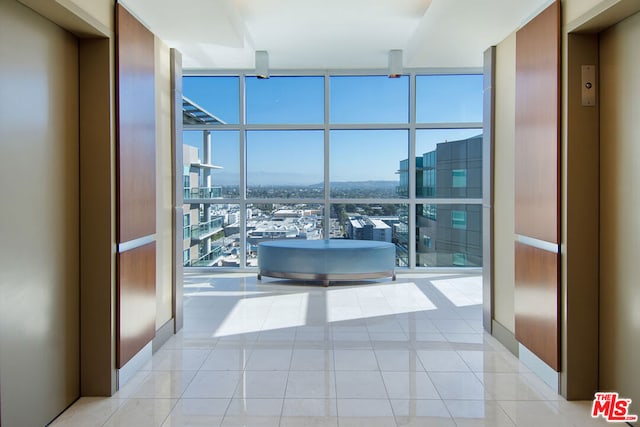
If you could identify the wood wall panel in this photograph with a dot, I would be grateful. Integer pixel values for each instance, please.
(536, 302)
(136, 188)
(537, 184)
(537, 132)
(135, 128)
(136, 300)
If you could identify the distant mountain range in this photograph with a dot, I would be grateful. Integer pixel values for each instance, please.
(364, 185)
(284, 179)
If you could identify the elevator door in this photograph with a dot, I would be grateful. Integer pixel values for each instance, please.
(39, 229)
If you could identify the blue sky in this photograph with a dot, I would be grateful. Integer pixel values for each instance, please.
(280, 157)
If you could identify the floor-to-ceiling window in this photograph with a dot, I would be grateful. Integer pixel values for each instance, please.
(333, 155)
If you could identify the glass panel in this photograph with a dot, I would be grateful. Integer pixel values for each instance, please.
(369, 99)
(213, 172)
(365, 163)
(214, 236)
(448, 234)
(219, 96)
(460, 259)
(448, 163)
(459, 178)
(459, 220)
(291, 100)
(285, 164)
(449, 98)
(274, 221)
(381, 222)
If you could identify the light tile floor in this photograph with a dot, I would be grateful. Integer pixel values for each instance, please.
(279, 353)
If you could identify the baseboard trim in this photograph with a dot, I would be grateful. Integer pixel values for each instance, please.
(162, 335)
(134, 365)
(545, 372)
(505, 337)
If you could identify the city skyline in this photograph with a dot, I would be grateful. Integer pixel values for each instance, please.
(426, 141)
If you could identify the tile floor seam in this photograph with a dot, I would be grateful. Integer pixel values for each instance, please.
(169, 413)
(499, 403)
(434, 386)
(286, 386)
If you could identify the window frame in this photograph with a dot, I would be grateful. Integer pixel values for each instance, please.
(411, 126)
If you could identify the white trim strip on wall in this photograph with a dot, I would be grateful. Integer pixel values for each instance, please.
(537, 243)
(136, 243)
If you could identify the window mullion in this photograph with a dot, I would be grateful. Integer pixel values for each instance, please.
(327, 165)
(243, 174)
(411, 237)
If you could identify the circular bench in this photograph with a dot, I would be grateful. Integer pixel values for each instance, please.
(326, 260)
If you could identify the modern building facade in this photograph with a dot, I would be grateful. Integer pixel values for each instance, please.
(60, 271)
(450, 234)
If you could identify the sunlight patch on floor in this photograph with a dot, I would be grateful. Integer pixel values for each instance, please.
(265, 313)
(462, 292)
(372, 301)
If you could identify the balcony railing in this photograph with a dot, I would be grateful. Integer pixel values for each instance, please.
(207, 260)
(205, 229)
(202, 193)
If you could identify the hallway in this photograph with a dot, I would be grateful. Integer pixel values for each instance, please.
(410, 353)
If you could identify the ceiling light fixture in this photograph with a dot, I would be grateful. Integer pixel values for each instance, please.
(262, 64)
(395, 63)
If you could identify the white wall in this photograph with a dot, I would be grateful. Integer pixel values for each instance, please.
(100, 11)
(164, 184)
(504, 179)
(573, 9)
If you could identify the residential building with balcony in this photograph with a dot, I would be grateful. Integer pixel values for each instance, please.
(203, 226)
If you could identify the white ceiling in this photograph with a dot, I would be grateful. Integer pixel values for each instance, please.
(332, 34)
